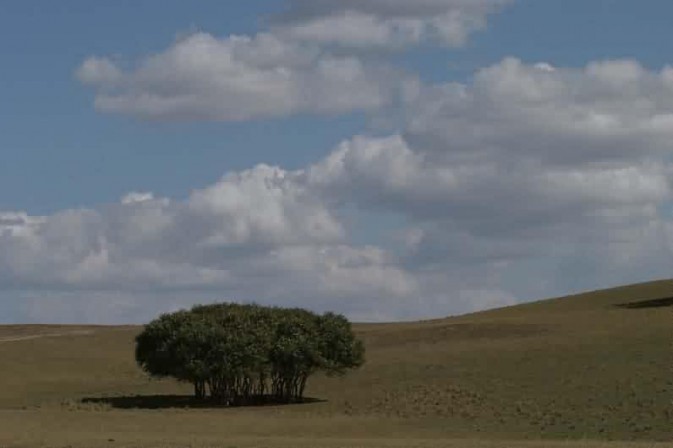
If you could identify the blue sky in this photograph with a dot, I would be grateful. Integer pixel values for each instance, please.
(93, 158)
(66, 157)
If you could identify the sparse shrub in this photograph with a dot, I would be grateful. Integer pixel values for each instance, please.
(240, 354)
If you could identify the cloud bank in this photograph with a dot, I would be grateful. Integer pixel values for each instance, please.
(527, 181)
(309, 61)
(385, 24)
(201, 77)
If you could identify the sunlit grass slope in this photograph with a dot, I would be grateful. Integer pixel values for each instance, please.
(579, 367)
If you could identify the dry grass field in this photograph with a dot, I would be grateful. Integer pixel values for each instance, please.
(579, 371)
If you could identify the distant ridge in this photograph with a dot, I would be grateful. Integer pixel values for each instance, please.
(650, 294)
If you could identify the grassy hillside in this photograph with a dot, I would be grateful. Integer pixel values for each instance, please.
(583, 367)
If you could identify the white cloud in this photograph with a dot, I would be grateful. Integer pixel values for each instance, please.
(253, 235)
(605, 112)
(532, 147)
(564, 173)
(528, 181)
(308, 61)
(264, 205)
(99, 72)
(135, 197)
(201, 77)
(393, 24)
(18, 223)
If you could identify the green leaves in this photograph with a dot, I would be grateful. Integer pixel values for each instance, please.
(242, 351)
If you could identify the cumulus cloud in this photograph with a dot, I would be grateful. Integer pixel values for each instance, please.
(99, 72)
(377, 24)
(202, 77)
(135, 197)
(521, 147)
(18, 223)
(253, 235)
(528, 181)
(526, 168)
(604, 112)
(309, 60)
(142, 235)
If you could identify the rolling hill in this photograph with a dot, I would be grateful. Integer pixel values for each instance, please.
(594, 366)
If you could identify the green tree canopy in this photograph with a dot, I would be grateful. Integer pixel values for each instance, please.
(237, 354)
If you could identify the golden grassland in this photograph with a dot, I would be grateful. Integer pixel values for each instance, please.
(572, 372)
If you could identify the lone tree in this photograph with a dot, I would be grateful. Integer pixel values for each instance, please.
(240, 354)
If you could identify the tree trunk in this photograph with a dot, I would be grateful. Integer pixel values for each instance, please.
(302, 386)
(199, 390)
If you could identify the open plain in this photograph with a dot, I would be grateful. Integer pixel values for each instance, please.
(591, 370)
